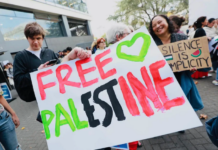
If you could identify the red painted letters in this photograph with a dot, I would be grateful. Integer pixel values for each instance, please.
(150, 91)
(82, 72)
(128, 97)
(100, 65)
(140, 92)
(40, 84)
(64, 81)
(160, 84)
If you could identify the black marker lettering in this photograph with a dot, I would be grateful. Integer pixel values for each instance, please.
(184, 54)
(114, 101)
(89, 110)
(179, 46)
(165, 50)
(198, 43)
(188, 46)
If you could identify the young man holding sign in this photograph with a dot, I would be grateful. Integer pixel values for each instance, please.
(35, 58)
(162, 31)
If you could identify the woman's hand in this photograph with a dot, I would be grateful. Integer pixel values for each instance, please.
(15, 120)
(193, 69)
(45, 65)
(77, 52)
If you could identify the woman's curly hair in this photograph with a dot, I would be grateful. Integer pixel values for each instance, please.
(169, 22)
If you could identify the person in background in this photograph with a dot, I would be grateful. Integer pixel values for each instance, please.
(116, 33)
(6, 67)
(192, 33)
(94, 46)
(131, 28)
(10, 70)
(10, 74)
(8, 137)
(67, 51)
(177, 23)
(163, 32)
(200, 23)
(189, 30)
(215, 63)
(60, 54)
(101, 44)
(200, 32)
(211, 29)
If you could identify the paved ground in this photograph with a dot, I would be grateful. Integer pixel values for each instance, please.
(31, 137)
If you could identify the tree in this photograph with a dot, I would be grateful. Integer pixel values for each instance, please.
(140, 12)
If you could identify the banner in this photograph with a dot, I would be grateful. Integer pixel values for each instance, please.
(199, 8)
(187, 54)
(124, 93)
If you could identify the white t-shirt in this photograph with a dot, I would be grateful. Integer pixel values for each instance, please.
(37, 53)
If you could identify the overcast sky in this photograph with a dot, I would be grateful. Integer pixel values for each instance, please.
(100, 10)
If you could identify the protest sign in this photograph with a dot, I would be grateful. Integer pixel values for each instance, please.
(213, 44)
(124, 93)
(187, 54)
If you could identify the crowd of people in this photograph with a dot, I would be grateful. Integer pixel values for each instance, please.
(163, 30)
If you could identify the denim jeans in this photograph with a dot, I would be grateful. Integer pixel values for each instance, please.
(8, 136)
(217, 74)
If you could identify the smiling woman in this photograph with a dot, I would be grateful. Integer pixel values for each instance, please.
(161, 29)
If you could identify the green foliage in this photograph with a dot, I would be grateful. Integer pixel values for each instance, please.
(140, 12)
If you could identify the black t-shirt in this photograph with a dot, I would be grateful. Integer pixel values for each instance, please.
(199, 33)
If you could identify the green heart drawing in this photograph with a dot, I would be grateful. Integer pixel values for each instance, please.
(143, 52)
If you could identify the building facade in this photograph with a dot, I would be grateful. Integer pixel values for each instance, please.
(67, 23)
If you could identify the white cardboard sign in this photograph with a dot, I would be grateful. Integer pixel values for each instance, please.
(124, 93)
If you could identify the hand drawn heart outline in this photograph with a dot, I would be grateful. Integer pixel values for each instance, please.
(144, 49)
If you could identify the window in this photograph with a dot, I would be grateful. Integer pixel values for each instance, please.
(6, 12)
(79, 5)
(78, 28)
(12, 28)
(52, 28)
(12, 24)
(24, 14)
(50, 23)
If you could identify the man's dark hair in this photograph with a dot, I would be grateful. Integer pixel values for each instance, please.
(69, 48)
(199, 21)
(170, 25)
(211, 20)
(33, 29)
(65, 50)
